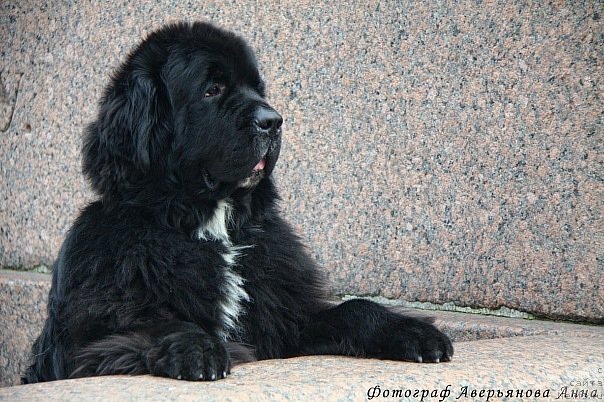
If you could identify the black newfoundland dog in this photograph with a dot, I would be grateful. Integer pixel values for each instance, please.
(184, 267)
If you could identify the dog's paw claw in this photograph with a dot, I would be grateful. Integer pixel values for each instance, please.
(191, 356)
(417, 341)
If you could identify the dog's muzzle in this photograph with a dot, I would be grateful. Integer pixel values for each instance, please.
(267, 121)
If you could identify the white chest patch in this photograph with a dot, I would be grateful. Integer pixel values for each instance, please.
(232, 293)
(216, 228)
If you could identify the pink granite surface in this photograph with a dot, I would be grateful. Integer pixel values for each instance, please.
(433, 151)
(544, 364)
(23, 298)
(23, 310)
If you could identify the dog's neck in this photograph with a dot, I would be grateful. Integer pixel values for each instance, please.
(216, 227)
(230, 302)
(220, 220)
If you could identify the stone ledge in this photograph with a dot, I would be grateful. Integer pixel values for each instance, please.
(520, 364)
(23, 308)
(23, 299)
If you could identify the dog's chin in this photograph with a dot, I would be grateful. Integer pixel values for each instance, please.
(257, 174)
(222, 183)
(251, 181)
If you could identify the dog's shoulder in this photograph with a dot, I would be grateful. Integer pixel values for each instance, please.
(110, 240)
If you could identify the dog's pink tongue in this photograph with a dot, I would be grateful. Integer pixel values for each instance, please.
(260, 165)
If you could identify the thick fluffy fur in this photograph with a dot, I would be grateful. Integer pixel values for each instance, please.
(184, 267)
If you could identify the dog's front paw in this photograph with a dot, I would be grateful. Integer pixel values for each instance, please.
(191, 355)
(415, 340)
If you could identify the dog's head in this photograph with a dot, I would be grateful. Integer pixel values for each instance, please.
(185, 110)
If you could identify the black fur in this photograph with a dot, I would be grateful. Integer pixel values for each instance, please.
(184, 267)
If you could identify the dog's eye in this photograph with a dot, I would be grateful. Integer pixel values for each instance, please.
(214, 90)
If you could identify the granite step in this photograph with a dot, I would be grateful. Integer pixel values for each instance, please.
(496, 358)
(518, 368)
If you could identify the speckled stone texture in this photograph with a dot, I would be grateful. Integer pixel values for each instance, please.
(544, 364)
(23, 299)
(433, 151)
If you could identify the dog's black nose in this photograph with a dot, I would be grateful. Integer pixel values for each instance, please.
(267, 120)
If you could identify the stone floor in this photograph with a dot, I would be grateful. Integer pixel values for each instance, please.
(518, 368)
(495, 358)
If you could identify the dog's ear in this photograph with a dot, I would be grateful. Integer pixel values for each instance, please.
(118, 146)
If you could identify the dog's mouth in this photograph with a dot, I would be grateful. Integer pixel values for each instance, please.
(216, 182)
(258, 172)
(259, 166)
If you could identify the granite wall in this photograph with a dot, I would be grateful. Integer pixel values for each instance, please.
(433, 151)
